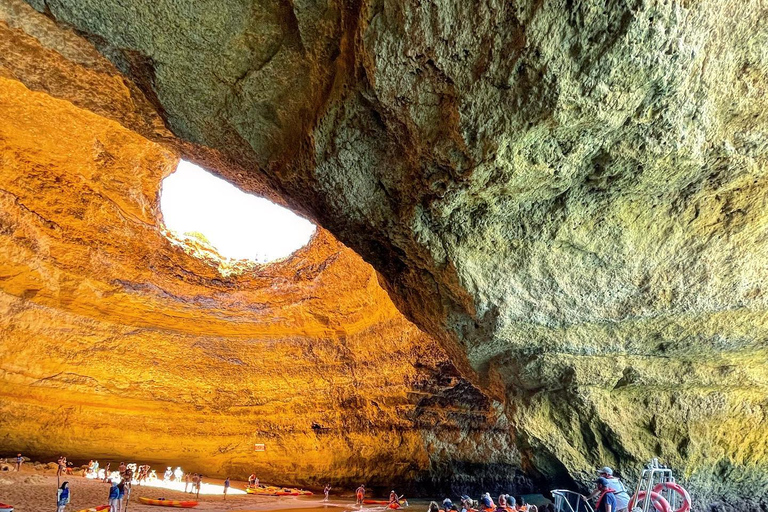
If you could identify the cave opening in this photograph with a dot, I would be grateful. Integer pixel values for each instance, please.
(202, 209)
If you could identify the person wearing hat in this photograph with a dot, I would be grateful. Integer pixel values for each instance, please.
(620, 492)
(466, 503)
(447, 504)
(606, 501)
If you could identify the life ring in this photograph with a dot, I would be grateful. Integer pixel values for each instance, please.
(686, 506)
(658, 501)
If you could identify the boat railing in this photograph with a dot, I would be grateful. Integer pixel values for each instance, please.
(570, 501)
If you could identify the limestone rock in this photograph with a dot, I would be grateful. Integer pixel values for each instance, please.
(569, 196)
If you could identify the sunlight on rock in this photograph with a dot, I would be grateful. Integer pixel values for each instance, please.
(211, 213)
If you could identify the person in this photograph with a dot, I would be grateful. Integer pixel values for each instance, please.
(62, 465)
(466, 503)
(106, 472)
(62, 497)
(501, 506)
(360, 494)
(447, 504)
(251, 480)
(114, 498)
(606, 502)
(199, 484)
(620, 491)
(327, 491)
(487, 502)
(127, 484)
(226, 488)
(120, 493)
(433, 507)
(167, 475)
(121, 468)
(177, 473)
(19, 461)
(255, 481)
(393, 497)
(511, 502)
(186, 482)
(195, 478)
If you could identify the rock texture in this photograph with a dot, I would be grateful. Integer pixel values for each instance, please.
(569, 196)
(116, 343)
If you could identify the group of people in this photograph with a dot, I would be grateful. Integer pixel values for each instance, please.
(610, 492)
(119, 490)
(196, 479)
(504, 503)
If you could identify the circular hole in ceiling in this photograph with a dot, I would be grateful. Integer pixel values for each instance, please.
(198, 206)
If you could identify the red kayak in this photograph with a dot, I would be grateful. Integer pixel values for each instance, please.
(393, 506)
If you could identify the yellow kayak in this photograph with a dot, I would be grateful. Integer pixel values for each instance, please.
(168, 503)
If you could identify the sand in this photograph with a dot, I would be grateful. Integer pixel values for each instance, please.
(30, 491)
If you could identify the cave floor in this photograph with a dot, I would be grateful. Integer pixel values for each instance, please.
(31, 491)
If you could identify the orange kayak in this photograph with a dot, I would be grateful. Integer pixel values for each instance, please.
(6, 508)
(168, 503)
(95, 509)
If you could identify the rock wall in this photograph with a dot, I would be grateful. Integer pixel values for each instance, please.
(568, 196)
(117, 343)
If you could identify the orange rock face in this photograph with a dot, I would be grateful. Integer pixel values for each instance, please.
(117, 343)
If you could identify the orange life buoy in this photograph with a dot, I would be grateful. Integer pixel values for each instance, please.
(686, 506)
(658, 501)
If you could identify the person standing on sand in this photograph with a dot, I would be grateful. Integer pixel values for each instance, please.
(360, 494)
(114, 498)
(327, 491)
(199, 484)
(195, 478)
(127, 484)
(19, 461)
(62, 497)
(226, 488)
(106, 472)
(186, 482)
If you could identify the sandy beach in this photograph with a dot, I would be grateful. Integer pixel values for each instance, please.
(30, 491)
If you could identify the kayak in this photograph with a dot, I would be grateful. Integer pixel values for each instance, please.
(6, 508)
(168, 503)
(95, 509)
(381, 502)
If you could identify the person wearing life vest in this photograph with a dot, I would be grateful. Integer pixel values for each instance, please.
(487, 502)
(466, 503)
(620, 491)
(606, 501)
(360, 494)
(114, 498)
(62, 497)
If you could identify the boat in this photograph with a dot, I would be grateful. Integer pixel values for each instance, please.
(168, 503)
(94, 509)
(6, 508)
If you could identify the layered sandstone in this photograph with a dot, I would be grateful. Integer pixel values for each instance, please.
(117, 343)
(569, 196)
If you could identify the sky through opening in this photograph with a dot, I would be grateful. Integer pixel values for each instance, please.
(238, 225)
